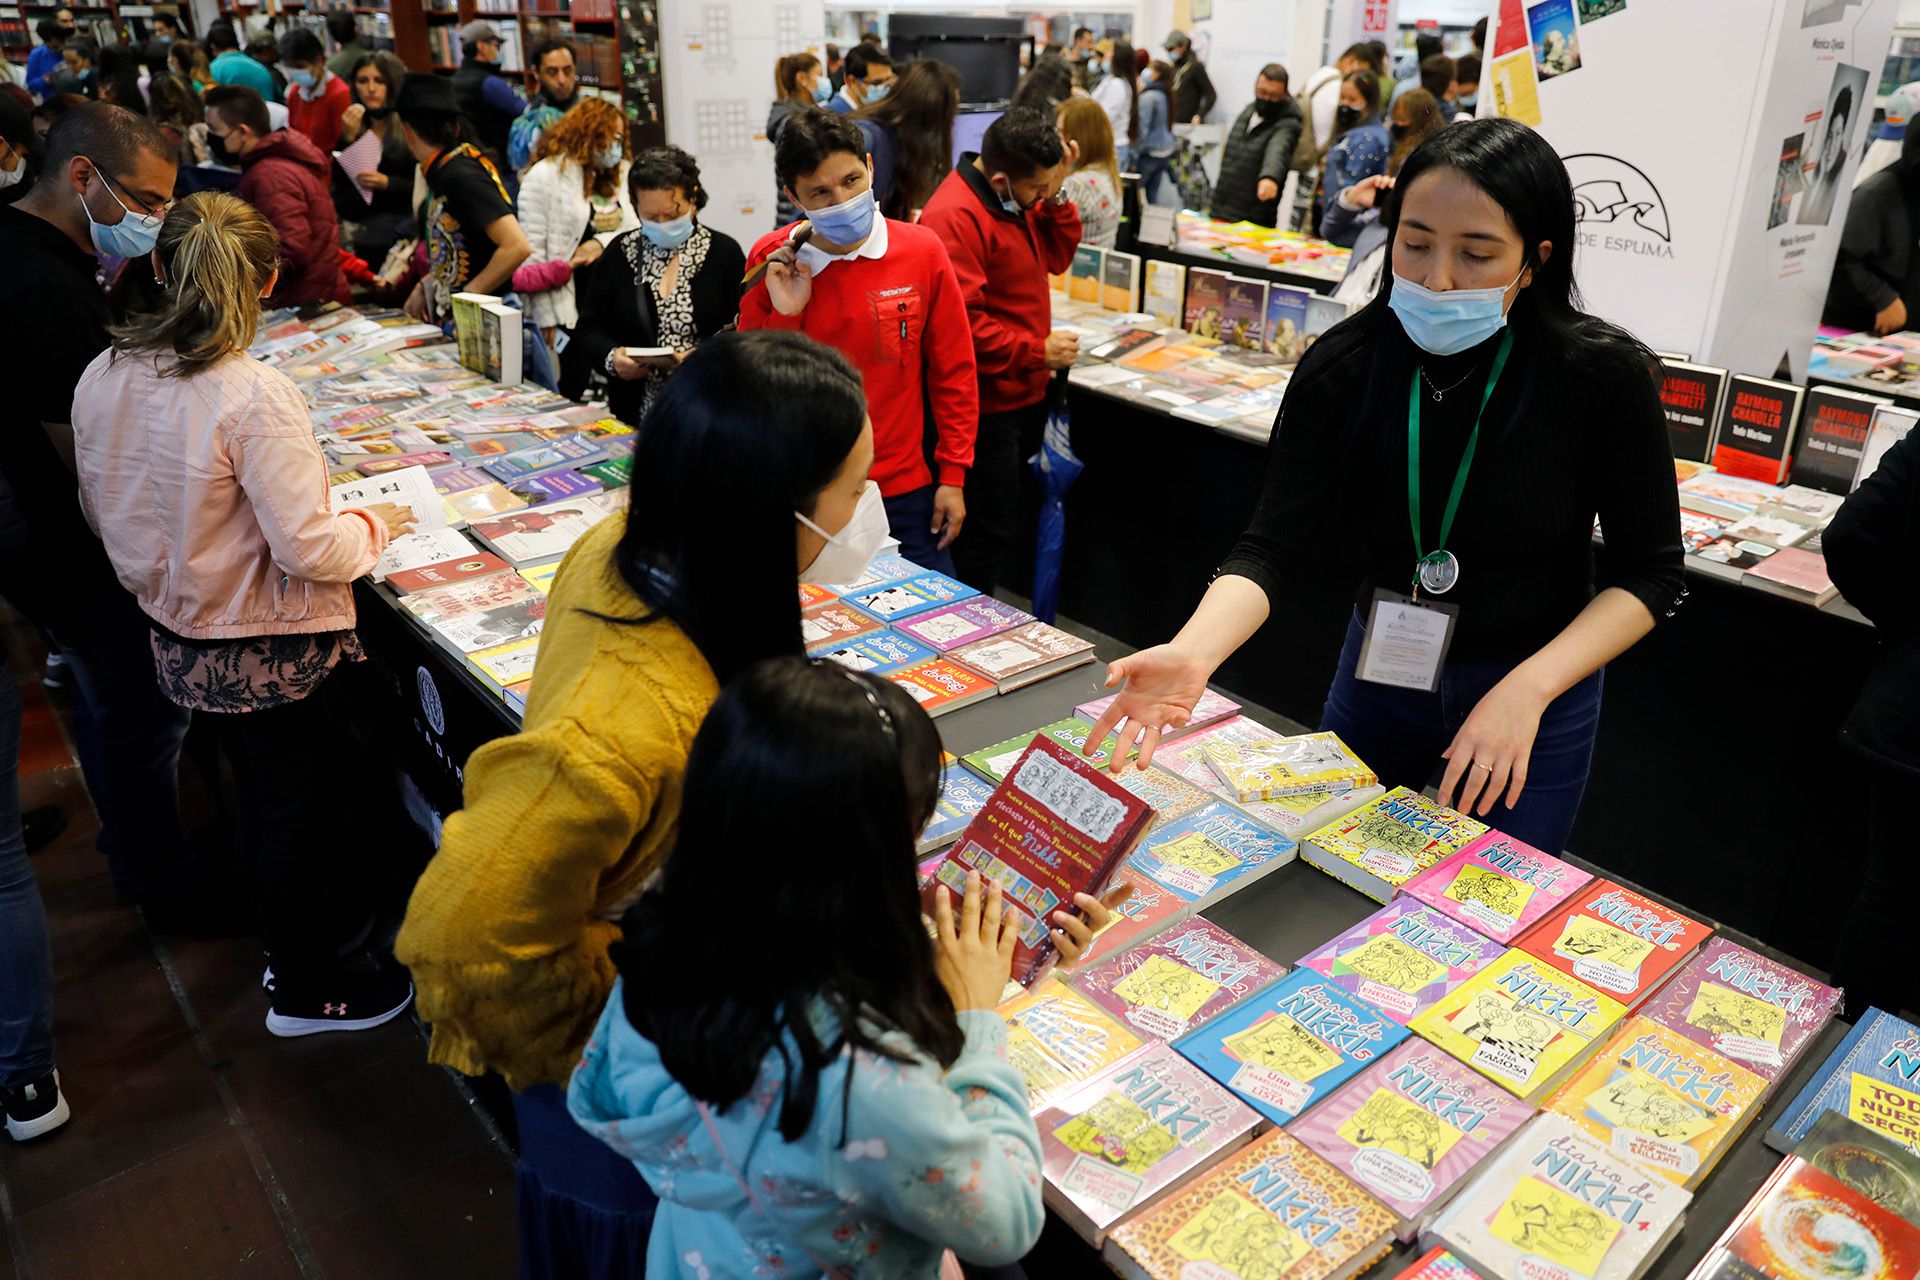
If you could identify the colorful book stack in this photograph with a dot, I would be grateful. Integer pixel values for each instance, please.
(1382, 845)
(1613, 939)
(1498, 885)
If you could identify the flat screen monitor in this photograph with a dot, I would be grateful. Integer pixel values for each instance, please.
(969, 127)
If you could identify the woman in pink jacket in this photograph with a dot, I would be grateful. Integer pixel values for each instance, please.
(199, 468)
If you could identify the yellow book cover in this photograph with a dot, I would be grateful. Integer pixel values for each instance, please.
(1397, 836)
(506, 664)
(540, 576)
(1058, 1039)
(1307, 764)
(1519, 1022)
(1661, 1100)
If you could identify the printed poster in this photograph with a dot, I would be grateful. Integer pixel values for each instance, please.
(1511, 35)
(1556, 38)
(1593, 9)
(1516, 92)
(1847, 103)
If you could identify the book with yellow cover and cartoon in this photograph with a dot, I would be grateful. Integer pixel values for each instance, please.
(1058, 1040)
(1521, 1023)
(1307, 764)
(1612, 938)
(1381, 846)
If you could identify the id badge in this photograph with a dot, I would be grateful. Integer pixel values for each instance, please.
(1407, 641)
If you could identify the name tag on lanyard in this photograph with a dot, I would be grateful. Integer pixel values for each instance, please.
(1407, 641)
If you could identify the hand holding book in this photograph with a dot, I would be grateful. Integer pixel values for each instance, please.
(397, 519)
(1074, 931)
(973, 956)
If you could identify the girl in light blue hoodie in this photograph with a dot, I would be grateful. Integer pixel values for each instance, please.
(810, 1085)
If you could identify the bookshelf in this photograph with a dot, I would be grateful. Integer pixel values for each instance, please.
(104, 22)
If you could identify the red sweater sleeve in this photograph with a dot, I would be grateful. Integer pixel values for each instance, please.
(997, 347)
(953, 390)
(1057, 227)
(756, 308)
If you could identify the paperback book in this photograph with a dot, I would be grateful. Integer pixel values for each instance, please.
(905, 597)
(962, 795)
(1498, 884)
(975, 618)
(1729, 497)
(1307, 764)
(1286, 328)
(1149, 909)
(1243, 314)
(425, 550)
(1016, 658)
(515, 619)
(1522, 1024)
(1171, 796)
(1403, 958)
(1794, 574)
(878, 654)
(832, 624)
(940, 686)
(1805, 1224)
(1210, 710)
(1120, 281)
(1166, 291)
(1833, 434)
(1756, 430)
(1439, 1263)
(1083, 276)
(1206, 299)
(539, 534)
(1873, 1077)
(1187, 755)
(467, 597)
(506, 665)
(1612, 938)
(1058, 1040)
(1168, 985)
(1872, 1164)
(482, 502)
(1211, 853)
(1745, 1007)
(1690, 394)
(1382, 845)
(475, 564)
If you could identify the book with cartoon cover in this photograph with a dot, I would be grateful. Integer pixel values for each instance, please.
(1288, 1047)
(1805, 1224)
(1403, 958)
(1439, 1263)
(1171, 796)
(1058, 1040)
(1521, 1023)
(962, 795)
(1755, 1011)
(834, 623)
(1382, 845)
(1872, 1077)
(1612, 938)
(1410, 1127)
(1271, 1211)
(1187, 755)
(1210, 853)
(906, 597)
(1016, 658)
(1656, 1097)
(1168, 985)
(878, 653)
(1499, 885)
(1555, 1205)
(963, 622)
(1148, 910)
(1210, 710)
(1305, 764)
(940, 685)
(1127, 1138)
(1871, 1163)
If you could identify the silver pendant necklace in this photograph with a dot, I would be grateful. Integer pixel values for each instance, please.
(1439, 393)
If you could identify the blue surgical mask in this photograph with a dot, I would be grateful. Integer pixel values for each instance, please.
(132, 237)
(850, 222)
(1445, 324)
(668, 235)
(609, 157)
(822, 91)
(875, 92)
(302, 77)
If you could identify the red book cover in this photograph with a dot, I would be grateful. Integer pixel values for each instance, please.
(1612, 938)
(1755, 440)
(1804, 1223)
(1056, 826)
(477, 565)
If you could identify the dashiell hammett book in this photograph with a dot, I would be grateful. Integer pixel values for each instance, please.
(1661, 1100)
(1610, 937)
(1499, 885)
(1873, 1077)
(1168, 985)
(1210, 853)
(1745, 1007)
(1410, 1127)
(1403, 958)
(1126, 1139)
(1058, 1040)
(1522, 1024)
(1271, 1211)
(1556, 1206)
(1805, 1224)
(1289, 1047)
(1380, 846)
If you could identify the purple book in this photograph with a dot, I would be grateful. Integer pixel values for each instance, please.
(1744, 1006)
(1411, 1126)
(1403, 958)
(460, 479)
(953, 625)
(555, 485)
(1177, 979)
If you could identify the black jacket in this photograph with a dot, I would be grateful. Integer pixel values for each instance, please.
(1873, 555)
(1246, 157)
(390, 215)
(1193, 93)
(1878, 263)
(616, 312)
(490, 124)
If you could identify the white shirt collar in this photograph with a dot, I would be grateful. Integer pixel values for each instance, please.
(875, 246)
(846, 95)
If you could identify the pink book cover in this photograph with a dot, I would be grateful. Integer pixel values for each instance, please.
(1411, 1126)
(963, 622)
(1148, 909)
(1745, 1007)
(1211, 709)
(1177, 979)
(1498, 886)
(1187, 755)
(1403, 958)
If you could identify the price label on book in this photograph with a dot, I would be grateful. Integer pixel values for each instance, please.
(1504, 1061)
(1608, 977)
(1091, 1178)
(1387, 864)
(1271, 1087)
(1381, 996)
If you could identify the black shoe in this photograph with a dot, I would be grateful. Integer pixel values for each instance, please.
(357, 1000)
(35, 1108)
(42, 826)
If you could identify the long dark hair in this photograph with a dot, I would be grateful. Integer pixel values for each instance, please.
(919, 109)
(1047, 84)
(1367, 84)
(1123, 65)
(839, 914)
(747, 432)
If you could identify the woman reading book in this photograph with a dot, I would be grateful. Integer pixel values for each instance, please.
(1484, 421)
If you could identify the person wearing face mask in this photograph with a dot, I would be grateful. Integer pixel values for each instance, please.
(882, 293)
(869, 79)
(1488, 421)
(19, 150)
(1258, 152)
(1157, 143)
(285, 177)
(799, 82)
(566, 822)
(388, 217)
(909, 136)
(1466, 85)
(1360, 143)
(571, 205)
(1006, 225)
(316, 98)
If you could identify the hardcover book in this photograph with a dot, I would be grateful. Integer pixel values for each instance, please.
(1612, 938)
(1522, 1024)
(811, 594)
(1382, 845)
(1243, 314)
(1871, 1163)
(1171, 796)
(832, 624)
(1058, 1040)
(1206, 299)
(1210, 710)
(1690, 395)
(962, 795)
(1755, 436)
(1745, 1007)
(1271, 1211)
(1149, 909)
(1411, 1127)
(1168, 985)
(905, 597)
(1122, 1142)
(1289, 1047)
(1297, 817)
(1498, 884)
(552, 486)
(877, 654)
(1187, 756)
(1805, 1224)
(1025, 654)
(975, 618)
(1833, 434)
(1403, 958)
(1211, 853)
(940, 686)
(1307, 764)
(1054, 827)
(1655, 1097)
(1873, 1077)
(994, 761)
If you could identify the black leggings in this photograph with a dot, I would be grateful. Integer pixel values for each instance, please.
(1874, 961)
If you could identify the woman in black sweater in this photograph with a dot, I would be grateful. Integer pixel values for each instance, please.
(389, 216)
(1475, 363)
(673, 283)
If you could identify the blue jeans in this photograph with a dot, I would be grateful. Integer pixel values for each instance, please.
(1153, 172)
(910, 516)
(1401, 734)
(26, 962)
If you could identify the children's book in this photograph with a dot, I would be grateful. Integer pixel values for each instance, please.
(1555, 1206)
(1170, 984)
(1403, 958)
(1166, 291)
(1612, 938)
(1306, 764)
(1187, 755)
(994, 761)
(1211, 853)
(1126, 1139)
(1016, 658)
(1297, 817)
(1521, 1023)
(1871, 1163)
(409, 487)
(1382, 845)
(940, 686)
(832, 624)
(1288, 1047)
(1148, 910)
(877, 654)
(1439, 1263)
(962, 795)
(1271, 1211)
(905, 597)
(1210, 710)
(1054, 827)
(1745, 1007)
(1873, 1077)
(1410, 1127)
(1058, 1040)
(425, 549)
(1171, 796)
(1658, 1098)
(1805, 1224)
(812, 593)
(975, 618)
(1498, 884)
(506, 665)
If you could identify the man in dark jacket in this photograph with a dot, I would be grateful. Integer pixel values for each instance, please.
(1876, 279)
(1258, 152)
(1193, 95)
(484, 95)
(284, 176)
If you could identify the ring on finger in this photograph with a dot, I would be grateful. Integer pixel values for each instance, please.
(1487, 767)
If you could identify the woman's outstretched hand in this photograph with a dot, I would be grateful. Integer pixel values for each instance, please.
(1163, 685)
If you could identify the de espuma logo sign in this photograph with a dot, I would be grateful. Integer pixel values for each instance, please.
(1617, 206)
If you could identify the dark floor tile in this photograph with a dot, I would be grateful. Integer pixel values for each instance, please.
(92, 930)
(110, 996)
(71, 862)
(195, 1213)
(269, 1264)
(456, 1220)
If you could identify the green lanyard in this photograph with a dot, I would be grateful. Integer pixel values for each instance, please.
(1466, 456)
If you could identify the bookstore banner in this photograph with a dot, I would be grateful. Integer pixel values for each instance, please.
(1710, 195)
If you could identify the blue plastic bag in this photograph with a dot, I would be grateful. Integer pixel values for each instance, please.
(1056, 468)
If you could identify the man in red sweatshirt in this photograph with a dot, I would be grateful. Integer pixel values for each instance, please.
(883, 294)
(1001, 217)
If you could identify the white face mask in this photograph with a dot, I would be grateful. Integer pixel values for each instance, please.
(849, 552)
(10, 176)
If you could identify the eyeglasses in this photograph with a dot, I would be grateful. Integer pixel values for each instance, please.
(117, 187)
